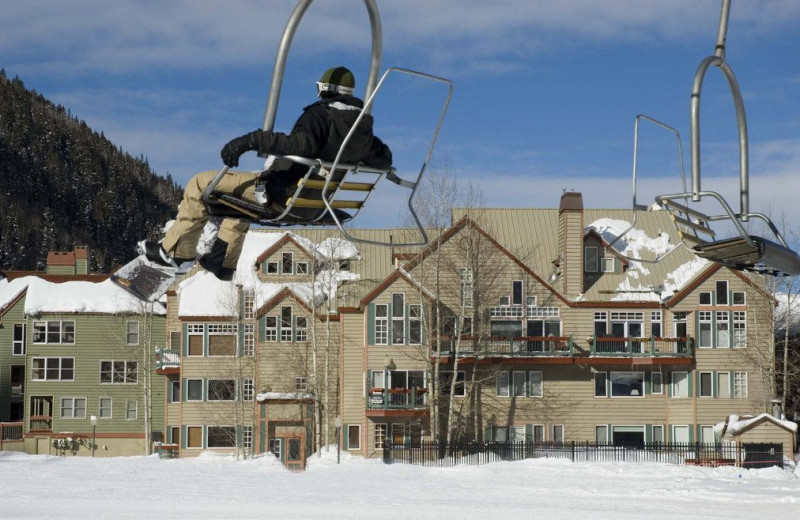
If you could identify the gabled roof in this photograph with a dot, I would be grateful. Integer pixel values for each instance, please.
(734, 426)
(398, 274)
(591, 232)
(284, 293)
(286, 239)
(464, 222)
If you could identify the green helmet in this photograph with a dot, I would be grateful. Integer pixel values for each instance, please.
(338, 80)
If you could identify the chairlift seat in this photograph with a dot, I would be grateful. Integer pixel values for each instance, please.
(758, 254)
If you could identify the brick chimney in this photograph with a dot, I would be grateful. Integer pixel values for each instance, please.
(570, 243)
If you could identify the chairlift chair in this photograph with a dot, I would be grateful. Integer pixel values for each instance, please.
(331, 192)
(745, 252)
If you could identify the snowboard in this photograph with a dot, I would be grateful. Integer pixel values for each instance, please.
(145, 280)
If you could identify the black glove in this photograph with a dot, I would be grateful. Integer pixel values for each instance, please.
(236, 147)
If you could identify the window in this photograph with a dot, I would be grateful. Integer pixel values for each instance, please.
(54, 332)
(272, 267)
(557, 433)
(132, 335)
(53, 369)
(655, 324)
(18, 340)
(398, 319)
(739, 298)
(680, 434)
(680, 384)
(221, 389)
(249, 341)
(704, 298)
(248, 389)
(249, 304)
(118, 372)
(270, 328)
(104, 408)
(740, 385)
(535, 384)
(502, 384)
(194, 389)
(591, 259)
(707, 434)
(538, 433)
(601, 434)
(516, 292)
(739, 329)
(380, 436)
(466, 286)
(656, 383)
(519, 383)
(300, 383)
(414, 324)
(600, 328)
(301, 328)
(221, 437)
(381, 324)
(627, 384)
(658, 433)
(724, 385)
(194, 436)
(722, 292)
(247, 437)
(222, 339)
(73, 408)
(286, 324)
(600, 386)
(706, 384)
(301, 267)
(174, 339)
(286, 263)
(353, 437)
(607, 265)
(398, 433)
(723, 329)
(131, 409)
(510, 433)
(195, 332)
(174, 391)
(446, 379)
(704, 326)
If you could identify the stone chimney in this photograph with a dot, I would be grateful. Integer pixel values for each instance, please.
(570, 243)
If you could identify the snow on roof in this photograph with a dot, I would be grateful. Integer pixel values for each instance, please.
(736, 426)
(637, 244)
(205, 295)
(81, 297)
(9, 290)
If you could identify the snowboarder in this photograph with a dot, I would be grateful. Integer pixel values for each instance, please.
(318, 133)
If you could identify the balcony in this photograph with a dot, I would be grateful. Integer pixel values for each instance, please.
(168, 361)
(41, 423)
(17, 389)
(396, 401)
(652, 348)
(520, 347)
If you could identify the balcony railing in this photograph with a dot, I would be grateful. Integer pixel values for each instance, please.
(647, 347)
(506, 311)
(396, 398)
(167, 358)
(17, 388)
(523, 346)
(41, 423)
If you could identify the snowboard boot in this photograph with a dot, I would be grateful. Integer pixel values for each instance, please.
(212, 261)
(156, 254)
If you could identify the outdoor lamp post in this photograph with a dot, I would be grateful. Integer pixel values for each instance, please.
(338, 423)
(93, 418)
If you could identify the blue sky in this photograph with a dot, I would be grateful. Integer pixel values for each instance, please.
(546, 92)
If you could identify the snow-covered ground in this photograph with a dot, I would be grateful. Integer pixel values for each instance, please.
(220, 487)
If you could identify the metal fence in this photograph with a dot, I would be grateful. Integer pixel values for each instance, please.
(748, 455)
(10, 435)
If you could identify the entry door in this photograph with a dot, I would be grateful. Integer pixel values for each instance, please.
(535, 329)
(295, 455)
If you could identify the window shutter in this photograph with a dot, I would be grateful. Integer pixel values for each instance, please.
(262, 328)
(184, 392)
(389, 324)
(371, 324)
(648, 433)
(345, 435)
(488, 434)
(528, 433)
(184, 432)
(647, 383)
(407, 321)
(185, 337)
(690, 386)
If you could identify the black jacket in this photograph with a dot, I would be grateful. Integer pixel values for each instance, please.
(321, 129)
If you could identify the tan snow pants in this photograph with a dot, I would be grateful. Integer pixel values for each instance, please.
(180, 241)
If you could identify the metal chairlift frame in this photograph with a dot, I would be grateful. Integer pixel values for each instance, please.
(746, 252)
(329, 171)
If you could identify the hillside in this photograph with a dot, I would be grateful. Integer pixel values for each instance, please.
(63, 184)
